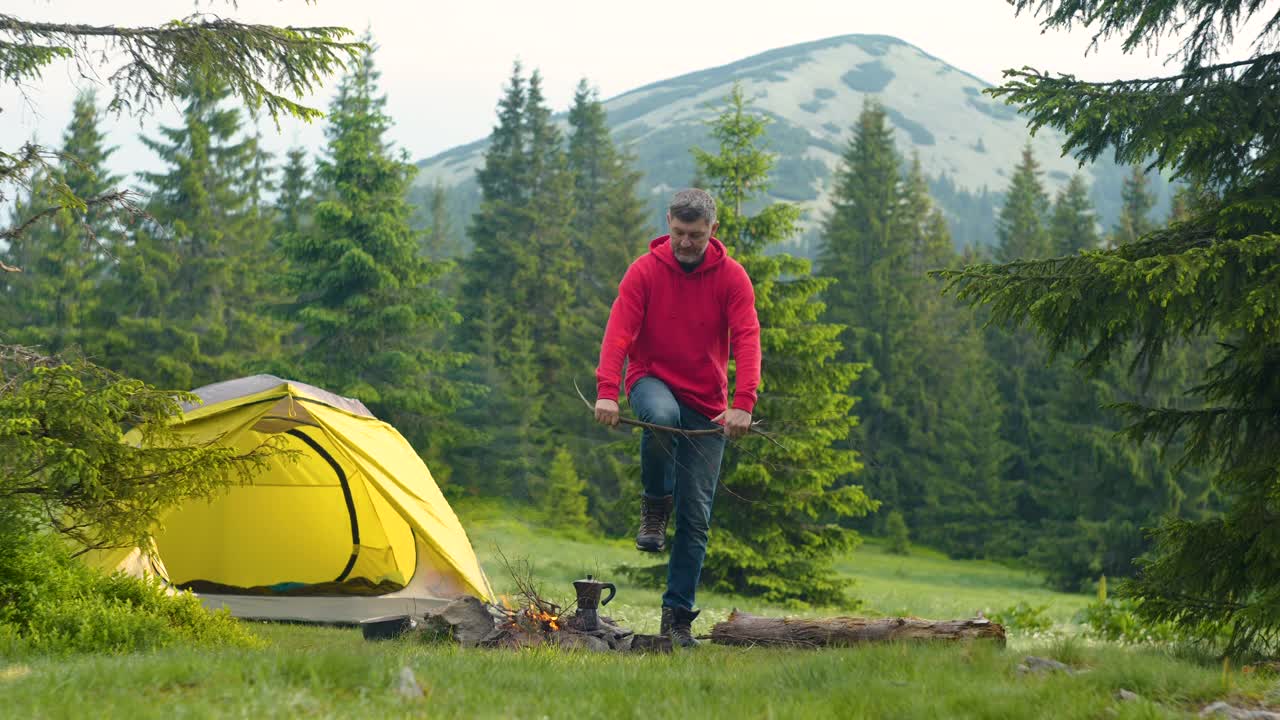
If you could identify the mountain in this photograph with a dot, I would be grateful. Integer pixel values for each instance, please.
(968, 143)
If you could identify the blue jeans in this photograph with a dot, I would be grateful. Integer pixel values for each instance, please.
(689, 468)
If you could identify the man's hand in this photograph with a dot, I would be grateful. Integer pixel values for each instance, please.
(607, 412)
(736, 422)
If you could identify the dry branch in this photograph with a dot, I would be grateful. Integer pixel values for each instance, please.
(679, 431)
(527, 587)
(745, 629)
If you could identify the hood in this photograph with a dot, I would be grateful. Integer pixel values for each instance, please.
(661, 249)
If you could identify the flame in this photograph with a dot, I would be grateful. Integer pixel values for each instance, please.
(541, 618)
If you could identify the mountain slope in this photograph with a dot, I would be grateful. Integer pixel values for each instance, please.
(967, 142)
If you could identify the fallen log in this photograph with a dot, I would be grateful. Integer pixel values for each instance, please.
(746, 629)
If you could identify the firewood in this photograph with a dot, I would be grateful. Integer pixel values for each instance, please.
(745, 629)
(473, 623)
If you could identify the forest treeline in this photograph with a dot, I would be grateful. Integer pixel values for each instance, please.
(898, 411)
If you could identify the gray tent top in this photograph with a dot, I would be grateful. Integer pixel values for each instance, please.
(254, 384)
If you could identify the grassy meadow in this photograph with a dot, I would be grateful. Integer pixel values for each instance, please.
(320, 672)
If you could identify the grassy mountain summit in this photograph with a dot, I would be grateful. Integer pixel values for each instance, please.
(967, 142)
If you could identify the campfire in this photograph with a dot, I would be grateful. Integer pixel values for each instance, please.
(532, 619)
(525, 619)
(473, 623)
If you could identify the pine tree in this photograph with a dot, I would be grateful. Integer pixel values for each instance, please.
(1021, 224)
(611, 228)
(441, 244)
(1080, 498)
(497, 458)
(369, 300)
(899, 535)
(1093, 496)
(1073, 226)
(1024, 374)
(62, 257)
(293, 215)
(777, 528)
(609, 232)
(1096, 495)
(504, 187)
(519, 282)
(294, 204)
(951, 453)
(548, 285)
(864, 255)
(259, 182)
(884, 234)
(182, 307)
(1211, 276)
(1135, 209)
(564, 501)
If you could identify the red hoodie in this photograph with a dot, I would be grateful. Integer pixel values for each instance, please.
(677, 326)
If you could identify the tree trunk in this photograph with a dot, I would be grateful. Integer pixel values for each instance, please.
(744, 629)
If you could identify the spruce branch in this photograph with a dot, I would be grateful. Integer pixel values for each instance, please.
(1205, 24)
(260, 63)
(122, 199)
(1187, 76)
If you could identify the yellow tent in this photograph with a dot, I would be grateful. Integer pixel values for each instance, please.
(349, 527)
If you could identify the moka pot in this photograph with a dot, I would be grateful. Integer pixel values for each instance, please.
(589, 602)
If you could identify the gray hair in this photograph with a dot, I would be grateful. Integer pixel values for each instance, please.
(692, 205)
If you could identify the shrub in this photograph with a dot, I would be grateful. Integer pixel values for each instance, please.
(66, 462)
(899, 537)
(69, 480)
(1024, 618)
(564, 503)
(1119, 621)
(52, 603)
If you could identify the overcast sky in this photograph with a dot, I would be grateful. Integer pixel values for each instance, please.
(444, 64)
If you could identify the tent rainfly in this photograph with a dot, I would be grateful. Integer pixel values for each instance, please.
(349, 527)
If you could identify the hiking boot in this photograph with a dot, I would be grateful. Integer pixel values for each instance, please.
(677, 623)
(654, 512)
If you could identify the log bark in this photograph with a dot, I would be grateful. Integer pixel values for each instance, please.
(746, 629)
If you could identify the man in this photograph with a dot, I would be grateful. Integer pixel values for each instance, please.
(680, 308)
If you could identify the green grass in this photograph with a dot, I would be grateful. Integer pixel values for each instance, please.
(331, 672)
(924, 583)
(323, 672)
(928, 584)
